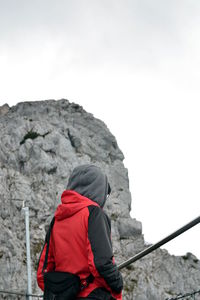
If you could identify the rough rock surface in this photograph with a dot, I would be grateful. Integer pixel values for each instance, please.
(41, 142)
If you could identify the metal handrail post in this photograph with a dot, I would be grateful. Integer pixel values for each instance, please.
(160, 243)
(28, 255)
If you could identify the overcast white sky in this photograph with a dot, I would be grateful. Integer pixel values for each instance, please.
(134, 64)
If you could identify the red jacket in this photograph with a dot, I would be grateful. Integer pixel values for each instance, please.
(81, 244)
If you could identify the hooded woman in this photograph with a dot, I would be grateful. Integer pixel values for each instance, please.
(81, 236)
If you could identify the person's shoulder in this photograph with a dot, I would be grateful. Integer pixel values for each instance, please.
(106, 216)
(94, 209)
(98, 212)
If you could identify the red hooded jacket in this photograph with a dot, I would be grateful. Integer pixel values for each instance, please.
(81, 244)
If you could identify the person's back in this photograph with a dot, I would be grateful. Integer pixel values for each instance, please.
(80, 240)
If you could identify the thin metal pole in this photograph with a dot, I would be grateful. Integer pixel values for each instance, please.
(28, 255)
(19, 294)
(160, 243)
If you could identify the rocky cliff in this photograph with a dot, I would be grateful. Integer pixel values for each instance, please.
(41, 142)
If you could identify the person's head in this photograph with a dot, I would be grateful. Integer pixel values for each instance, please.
(89, 181)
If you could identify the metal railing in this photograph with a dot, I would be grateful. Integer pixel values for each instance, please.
(19, 295)
(188, 296)
(125, 264)
(160, 243)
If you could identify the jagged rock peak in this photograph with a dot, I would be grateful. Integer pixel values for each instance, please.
(41, 142)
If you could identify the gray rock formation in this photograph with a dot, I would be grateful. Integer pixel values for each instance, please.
(41, 142)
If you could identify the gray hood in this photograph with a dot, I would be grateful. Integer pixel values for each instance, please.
(89, 181)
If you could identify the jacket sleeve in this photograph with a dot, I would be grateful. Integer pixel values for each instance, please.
(50, 264)
(99, 235)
